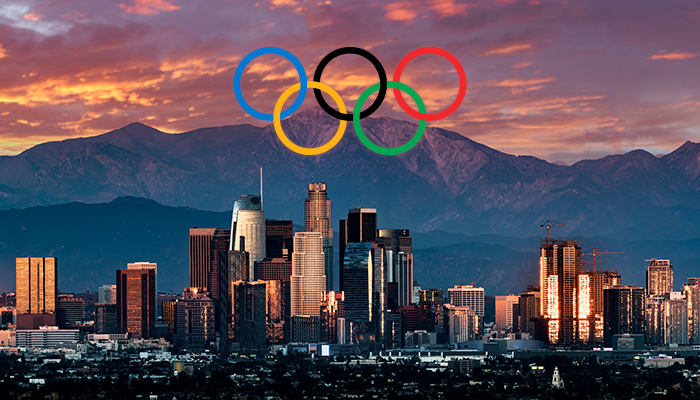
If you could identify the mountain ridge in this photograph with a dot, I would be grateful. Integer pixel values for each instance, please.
(447, 181)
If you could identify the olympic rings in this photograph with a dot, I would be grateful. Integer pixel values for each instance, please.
(460, 94)
(384, 150)
(357, 113)
(364, 54)
(259, 52)
(305, 150)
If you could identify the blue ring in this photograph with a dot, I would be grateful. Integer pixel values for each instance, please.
(239, 72)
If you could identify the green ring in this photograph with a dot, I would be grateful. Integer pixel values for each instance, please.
(385, 150)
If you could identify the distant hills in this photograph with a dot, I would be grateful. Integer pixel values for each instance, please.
(93, 240)
(447, 182)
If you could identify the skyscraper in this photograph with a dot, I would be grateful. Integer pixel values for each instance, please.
(308, 281)
(675, 317)
(197, 311)
(147, 265)
(209, 270)
(623, 311)
(317, 218)
(245, 202)
(468, 296)
(332, 309)
(357, 272)
(692, 296)
(399, 246)
(361, 226)
(106, 317)
(659, 277)
(107, 294)
(37, 285)
(251, 226)
(136, 313)
(249, 313)
(560, 267)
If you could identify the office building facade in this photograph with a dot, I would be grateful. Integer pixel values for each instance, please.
(623, 311)
(136, 313)
(308, 281)
(37, 285)
(317, 218)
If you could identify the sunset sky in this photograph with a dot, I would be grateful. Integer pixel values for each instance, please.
(561, 80)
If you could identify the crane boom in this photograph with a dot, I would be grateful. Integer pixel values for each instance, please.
(549, 225)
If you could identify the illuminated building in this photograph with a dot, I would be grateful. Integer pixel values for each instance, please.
(659, 277)
(504, 310)
(591, 289)
(361, 226)
(37, 285)
(468, 296)
(275, 310)
(308, 281)
(279, 239)
(399, 248)
(317, 218)
(463, 324)
(692, 296)
(332, 309)
(107, 294)
(560, 267)
(623, 311)
(251, 226)
(170, 315)
(655, 321)
(147, 265)
(136, 313)
(675, 308)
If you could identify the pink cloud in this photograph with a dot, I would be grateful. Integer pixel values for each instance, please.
(145, 7)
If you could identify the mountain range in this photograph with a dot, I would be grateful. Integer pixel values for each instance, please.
(447, 182)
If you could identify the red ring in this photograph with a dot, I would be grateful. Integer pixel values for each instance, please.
(462, 83)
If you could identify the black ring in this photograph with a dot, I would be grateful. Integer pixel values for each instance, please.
(364, 54)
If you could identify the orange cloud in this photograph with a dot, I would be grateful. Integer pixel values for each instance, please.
(33, 16)
(145, 7)
(516, 82)
(676, 55)
(3, 52)
(402, 11)
(510, 49)
(523, 64)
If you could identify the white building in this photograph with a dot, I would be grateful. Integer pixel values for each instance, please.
(468, 296)
(47, 337)
(251, 225)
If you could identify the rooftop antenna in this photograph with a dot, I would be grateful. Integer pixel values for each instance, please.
(261, 189)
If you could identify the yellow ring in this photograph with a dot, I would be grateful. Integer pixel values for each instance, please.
(306, 150)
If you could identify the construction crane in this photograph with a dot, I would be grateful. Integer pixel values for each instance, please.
(595, 253)
(549, 225)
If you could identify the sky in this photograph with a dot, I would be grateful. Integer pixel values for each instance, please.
(560, 80)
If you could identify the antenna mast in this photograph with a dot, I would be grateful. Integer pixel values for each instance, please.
(261, 189)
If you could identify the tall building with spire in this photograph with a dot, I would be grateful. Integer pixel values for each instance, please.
(317, 218)
(251, 226)
(245, 202)
(308, 281)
